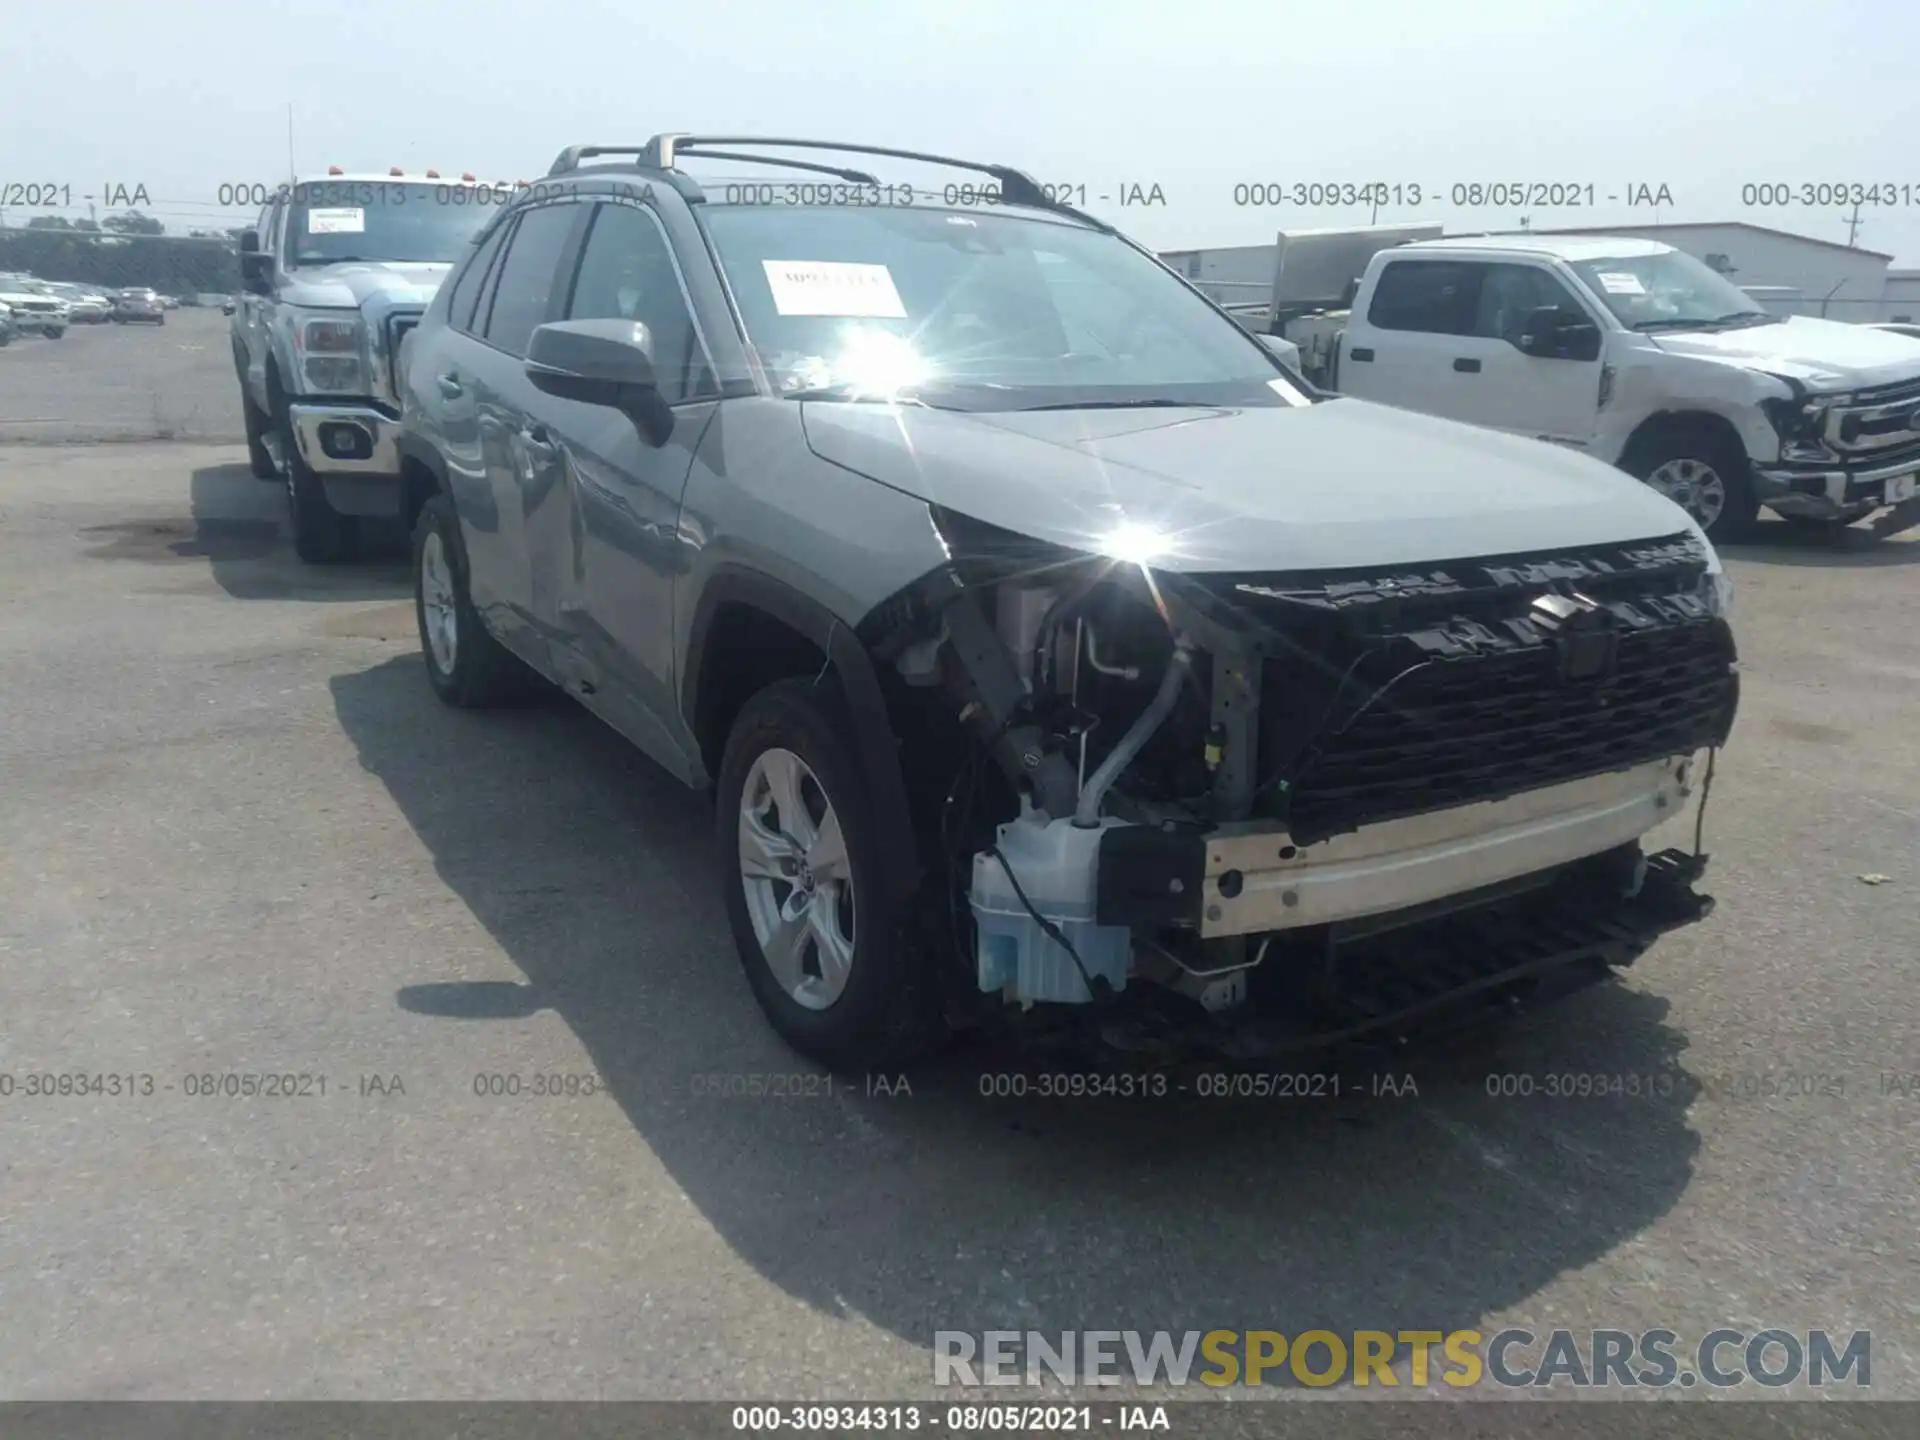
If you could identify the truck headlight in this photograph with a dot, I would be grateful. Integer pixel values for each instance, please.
(329, 349)
(334, 372)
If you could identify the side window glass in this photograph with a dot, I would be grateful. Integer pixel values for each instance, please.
(523, 295)
(465, 295)
(627, 273)
(1510, 293)
(1434, 297)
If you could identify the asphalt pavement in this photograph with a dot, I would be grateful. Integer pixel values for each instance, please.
(240, 838)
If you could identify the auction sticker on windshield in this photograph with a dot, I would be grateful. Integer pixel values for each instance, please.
(831, 287)
(336, 222)
(1621, 282)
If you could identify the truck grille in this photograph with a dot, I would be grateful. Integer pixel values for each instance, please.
(1878, 419)
(1457, 731)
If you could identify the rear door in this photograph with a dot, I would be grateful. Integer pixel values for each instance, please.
(440, 383)
(608, 532)
(1408, 350)
(524, 293)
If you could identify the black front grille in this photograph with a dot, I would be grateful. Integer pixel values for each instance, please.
(1423, 734)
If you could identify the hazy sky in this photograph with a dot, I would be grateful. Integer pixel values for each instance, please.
(1703, 96)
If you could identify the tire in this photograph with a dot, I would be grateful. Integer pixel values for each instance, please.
(259, 457)
(877, 1005)
(53, 333)
(471, 670)
(321, 534)
(1705, 473)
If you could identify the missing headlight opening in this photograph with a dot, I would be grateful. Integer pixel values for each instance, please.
(1252, 812)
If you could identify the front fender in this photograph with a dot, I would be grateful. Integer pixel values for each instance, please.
(873, 737)
(1682, 384)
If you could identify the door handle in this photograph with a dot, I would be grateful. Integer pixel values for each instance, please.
(449, 387)
(1357, 353)
(1466, 366)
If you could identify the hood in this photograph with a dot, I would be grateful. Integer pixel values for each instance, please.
(348, 287)
(32, 300)
(1337, 485)
(1822, 354)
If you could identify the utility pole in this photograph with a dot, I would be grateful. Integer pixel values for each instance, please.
(1853, 224)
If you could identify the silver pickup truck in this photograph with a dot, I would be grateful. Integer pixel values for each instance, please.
(337, 271)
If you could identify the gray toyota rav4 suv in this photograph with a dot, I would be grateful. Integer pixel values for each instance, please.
(1058, 659)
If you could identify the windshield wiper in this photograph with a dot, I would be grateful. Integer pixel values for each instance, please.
(1738, 317)
(1157, 404)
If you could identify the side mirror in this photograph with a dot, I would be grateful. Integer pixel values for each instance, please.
(256, 271)
(602, 362)
(1551, 333)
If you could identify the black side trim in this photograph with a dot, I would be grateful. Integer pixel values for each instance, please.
(873, 731)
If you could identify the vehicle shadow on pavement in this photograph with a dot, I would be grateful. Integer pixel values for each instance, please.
(1774, 542)
(239, 527)
(922, 1206)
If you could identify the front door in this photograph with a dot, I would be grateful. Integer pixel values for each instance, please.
(607, 548)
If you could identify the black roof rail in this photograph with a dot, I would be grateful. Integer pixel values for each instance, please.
(1016, 186)
(570, 158)
(858, 177)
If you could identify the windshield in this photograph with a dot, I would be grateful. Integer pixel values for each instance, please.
(1666, 290)
(976, 312)
(337, 220)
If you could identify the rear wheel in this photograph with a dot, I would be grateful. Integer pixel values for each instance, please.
(1704, 473)
(825, 949)
(53, 332)
(466, 666)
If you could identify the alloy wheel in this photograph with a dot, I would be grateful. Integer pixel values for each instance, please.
(797, 877)
(437, 603)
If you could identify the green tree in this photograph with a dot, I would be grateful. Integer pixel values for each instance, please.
(132, 222)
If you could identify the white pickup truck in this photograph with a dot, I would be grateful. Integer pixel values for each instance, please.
(1644, 357)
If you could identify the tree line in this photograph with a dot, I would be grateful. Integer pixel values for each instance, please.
(123, 251)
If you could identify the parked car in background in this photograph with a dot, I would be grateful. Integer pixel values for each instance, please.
(85, 306)
(138, 306)
(1642, 356)
(880, 543)
(170, 302)
(35, 307)
(8, 330)
(337, 271)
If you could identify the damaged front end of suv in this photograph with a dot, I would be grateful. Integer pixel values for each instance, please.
(1242, 813)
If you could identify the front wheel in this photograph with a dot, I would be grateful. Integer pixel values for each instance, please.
(52, 333)
(259, 455)
(1705, 474)
(321, 534)
(825, 948)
